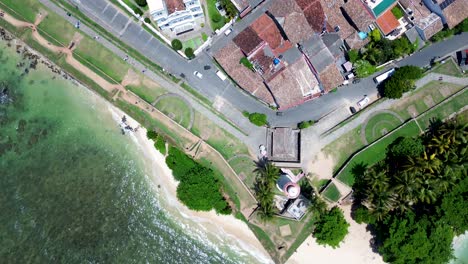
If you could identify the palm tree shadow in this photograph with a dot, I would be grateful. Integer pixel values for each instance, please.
(359, 169)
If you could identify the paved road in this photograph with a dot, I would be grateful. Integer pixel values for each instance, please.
(255, 134)
(213, 88)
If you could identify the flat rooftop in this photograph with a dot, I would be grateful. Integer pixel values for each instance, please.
(155, 5)
(283, 144)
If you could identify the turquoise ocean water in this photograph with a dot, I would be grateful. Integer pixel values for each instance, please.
(72, 188)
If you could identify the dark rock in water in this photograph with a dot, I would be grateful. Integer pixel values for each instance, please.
(4, 98)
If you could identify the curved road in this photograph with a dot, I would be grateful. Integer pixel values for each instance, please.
(118, 23)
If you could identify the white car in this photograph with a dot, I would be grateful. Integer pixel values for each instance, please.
(199, 75)
(364, 102)
(227, 32)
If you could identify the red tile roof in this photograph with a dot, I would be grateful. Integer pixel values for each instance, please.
(314, 14)
(174, 5)
(387, 22)
(229, 57)
(248, 41)
(268, 31)
(292, 19)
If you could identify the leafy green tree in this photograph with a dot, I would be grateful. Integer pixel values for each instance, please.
(176, 44)
(160, 145)
(231, 10)
(305, 124)
(151, 134)
(244, 61)
(409, 240)
(332, 228)
(179, 163)
(216, 17)
(353, 55)
(401, 47)
(189, 53)
(141, 2)
(406, 146)
(397, 12)
(363, 68)
(258, 119)
(394, 88)
(375, 35)
(363, 215)
(137, 11)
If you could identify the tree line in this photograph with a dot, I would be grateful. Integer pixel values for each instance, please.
(199, 187)
(415, 200)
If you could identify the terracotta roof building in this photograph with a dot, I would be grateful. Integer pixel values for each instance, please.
(387, 22)
(455, 11)
(267, 30)
(290, 17)
(229, 58)
(323, 62)
(314, 14)
(359, 14)
(248, 41)
(293, 84)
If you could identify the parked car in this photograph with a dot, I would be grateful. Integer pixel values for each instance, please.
(356, 80)
(227, 32)
(353, 110)
(364, 102)
(199, 75)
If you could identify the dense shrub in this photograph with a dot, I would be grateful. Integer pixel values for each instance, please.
(244, 61)
(363, 68)
(362, 215)
(160, 145)
(198, 188)
(137, 11)
(401, 81)
(151, 134)
(305, 124)
(353, 55)
(231, 10)
(397, 12)
(404, 147)
(176, 44)
(216, 17)
(258, 119)
(189, 53)
(147, 20)
(332, 228)
(141, 2)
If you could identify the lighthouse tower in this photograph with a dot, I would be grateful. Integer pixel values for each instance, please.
(286, 185)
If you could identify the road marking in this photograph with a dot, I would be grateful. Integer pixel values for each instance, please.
(105, 8)
(129, 21)
(116, 13)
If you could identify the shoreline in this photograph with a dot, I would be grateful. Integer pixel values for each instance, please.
(226, 229)
(354, 249)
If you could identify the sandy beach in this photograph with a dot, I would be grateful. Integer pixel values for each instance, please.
(206, 225)
(355, 249)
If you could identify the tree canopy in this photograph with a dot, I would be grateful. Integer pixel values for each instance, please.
(141, 2)
(199, 188)
(332, 228)
(417, 203)
(363, 68)
(401, 81)
(176, 44)
(189, 53)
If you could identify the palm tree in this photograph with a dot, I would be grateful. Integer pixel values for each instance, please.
(376, 180)
(406, 187)
(381, 202)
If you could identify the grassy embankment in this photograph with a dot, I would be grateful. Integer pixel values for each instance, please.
(414, 105)
(227, 145)
(93, 53)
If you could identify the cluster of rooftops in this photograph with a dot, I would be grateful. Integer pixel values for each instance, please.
(297, 47)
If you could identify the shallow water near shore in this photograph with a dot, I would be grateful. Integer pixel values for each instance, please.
(74, 189)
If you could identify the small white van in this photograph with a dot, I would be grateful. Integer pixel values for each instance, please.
(228, 31)
(221, 75)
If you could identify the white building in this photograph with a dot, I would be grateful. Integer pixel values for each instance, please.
(176, 15)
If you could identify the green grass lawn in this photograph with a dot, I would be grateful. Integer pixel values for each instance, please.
(448, 68)
(25, 9)
(376, 152)
(218, 138)
(211, 11)
(379, 125)
(332, 193)
(342, 148)
(246, 166)
(416, 99)
(55, 26)
(176, 109)
(443, 111)
(193, 43)
(146, 93)
(103, 59)
(319, 184)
